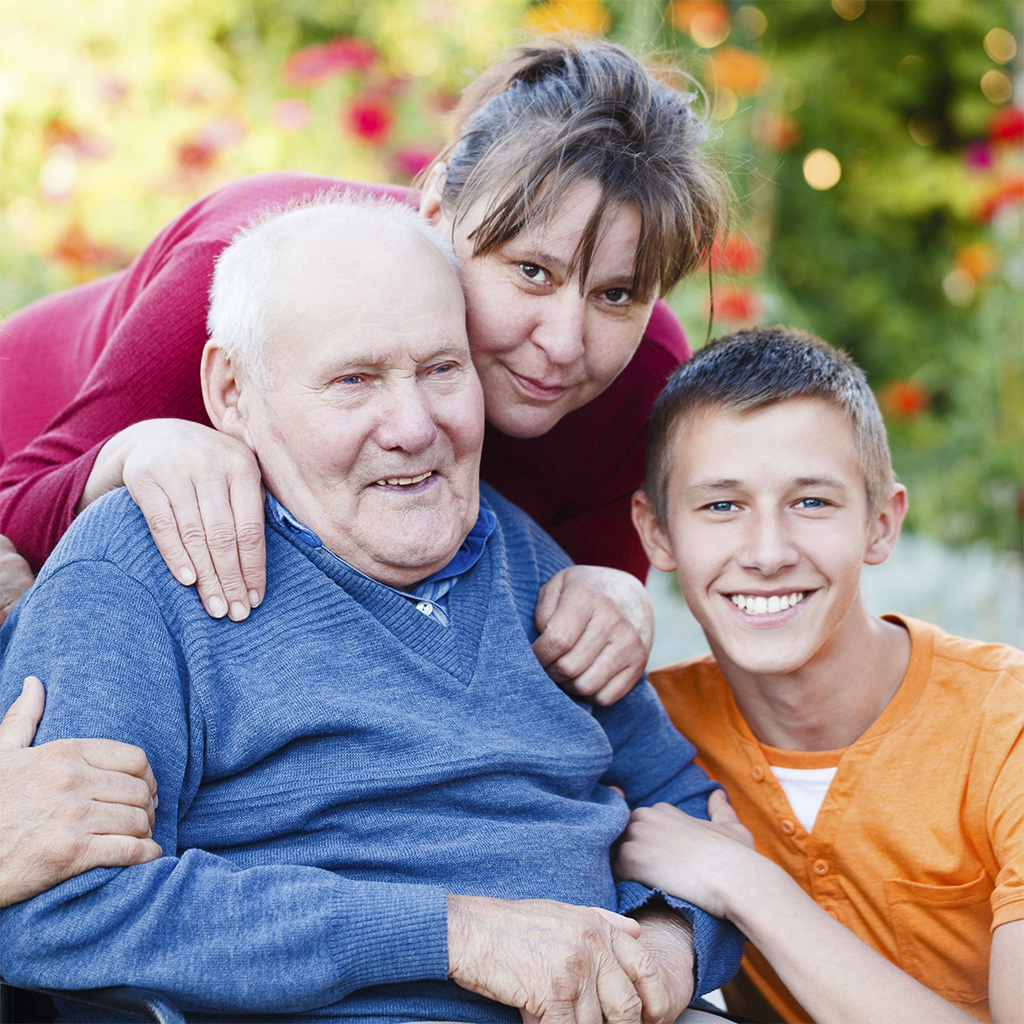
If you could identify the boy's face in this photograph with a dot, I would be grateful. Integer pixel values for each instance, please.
(767, 527)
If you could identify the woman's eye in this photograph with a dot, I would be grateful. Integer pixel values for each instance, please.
(618, 296)
(533, 272)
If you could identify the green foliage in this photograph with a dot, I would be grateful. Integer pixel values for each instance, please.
(117, 114)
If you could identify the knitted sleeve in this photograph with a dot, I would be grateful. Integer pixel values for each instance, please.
(149, 368)
(652, 763)
(209, 933)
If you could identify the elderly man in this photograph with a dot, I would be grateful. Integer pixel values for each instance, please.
(374, 801)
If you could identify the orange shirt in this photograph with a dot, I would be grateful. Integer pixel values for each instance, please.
(919, 845)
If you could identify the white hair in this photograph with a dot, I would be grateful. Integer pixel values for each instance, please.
(245, 271)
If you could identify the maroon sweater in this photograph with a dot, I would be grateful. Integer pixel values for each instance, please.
(82, 365)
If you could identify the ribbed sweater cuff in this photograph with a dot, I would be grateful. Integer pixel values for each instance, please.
(406, 930)
(717, 945)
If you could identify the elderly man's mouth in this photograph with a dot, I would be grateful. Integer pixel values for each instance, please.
(404, 481)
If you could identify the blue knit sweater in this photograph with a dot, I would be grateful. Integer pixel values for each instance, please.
(328, 771)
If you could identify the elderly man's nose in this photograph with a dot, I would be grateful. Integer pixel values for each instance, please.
(407, 422)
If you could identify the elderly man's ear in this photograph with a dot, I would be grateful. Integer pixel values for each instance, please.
(223, 383)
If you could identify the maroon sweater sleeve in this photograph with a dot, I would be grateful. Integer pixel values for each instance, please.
(148, 368)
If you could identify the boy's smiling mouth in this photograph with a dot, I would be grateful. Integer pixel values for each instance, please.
(757, 604)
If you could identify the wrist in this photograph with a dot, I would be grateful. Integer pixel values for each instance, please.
(108, 468)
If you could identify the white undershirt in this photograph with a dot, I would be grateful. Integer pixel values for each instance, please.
(805, 788)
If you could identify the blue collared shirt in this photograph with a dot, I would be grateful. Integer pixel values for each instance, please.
(430, 596)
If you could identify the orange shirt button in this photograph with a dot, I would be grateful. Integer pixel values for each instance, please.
(820, 867)
(787, 826)
(757, 773)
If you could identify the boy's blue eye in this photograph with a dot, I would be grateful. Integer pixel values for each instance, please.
(811, 503)
(721, 506)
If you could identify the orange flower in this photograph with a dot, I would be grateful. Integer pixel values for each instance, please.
(316, 64)
(776, 131)
(589, 17)
(78, 250)
(738, 305)
(369, 118)
(977, 259)
(743, 72)
(711, 15)
(905, 399)
(737, 255)
(1006, 193)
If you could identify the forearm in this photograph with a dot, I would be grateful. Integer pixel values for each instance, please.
(219, 938)
(833, 974)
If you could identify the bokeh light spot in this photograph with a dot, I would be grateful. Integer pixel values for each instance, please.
(848, 9)
(959, 287)
(822, 169)
(997, 85)
(751, 22)
(1000, 45)
(923, 130)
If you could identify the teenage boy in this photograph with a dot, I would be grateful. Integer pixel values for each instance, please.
(878, 762)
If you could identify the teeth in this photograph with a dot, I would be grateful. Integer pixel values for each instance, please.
(403, 481)
(767, 605)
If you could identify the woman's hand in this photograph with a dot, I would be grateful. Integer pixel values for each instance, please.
(696, 860)
(596, 627)
(201, 494)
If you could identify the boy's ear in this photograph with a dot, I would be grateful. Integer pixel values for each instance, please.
(430, 198)
(222, 391)
(653, 538)
(885, 530)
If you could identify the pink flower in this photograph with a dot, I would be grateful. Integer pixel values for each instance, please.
(369, 118)
(413, 159)
(290, 115)
(316, 64)
(1006, 125)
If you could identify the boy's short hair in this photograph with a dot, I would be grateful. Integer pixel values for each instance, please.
(759, 367)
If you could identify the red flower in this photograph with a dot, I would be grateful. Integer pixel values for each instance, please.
(1006, 124)
(413, 159)
(738, 255)
(369, 118)
(1005, 194)
(736, 304)
(905, 399)
(316, 64)
(196, 156)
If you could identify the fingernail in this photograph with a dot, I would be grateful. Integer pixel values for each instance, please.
(187, 575)
(238, 611)
(254, 598)
(218, 607)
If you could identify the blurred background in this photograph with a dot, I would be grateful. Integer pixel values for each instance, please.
(876, 150)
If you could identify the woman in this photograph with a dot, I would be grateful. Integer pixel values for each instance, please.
(574, 194)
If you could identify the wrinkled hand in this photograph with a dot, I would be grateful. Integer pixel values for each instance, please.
(668, 938)
(201, 494)
(558, 964)
(15, 577)
(596, 627)
(690, 858)
(67, 806)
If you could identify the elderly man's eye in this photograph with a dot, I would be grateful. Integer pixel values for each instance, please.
(352, 378)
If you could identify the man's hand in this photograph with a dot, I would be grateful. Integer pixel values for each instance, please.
(596, 627)
(15, 577)
(558, 964)
(668, 938)
(69, 805)
(696, 860)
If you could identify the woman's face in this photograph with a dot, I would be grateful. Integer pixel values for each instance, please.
(541, 348)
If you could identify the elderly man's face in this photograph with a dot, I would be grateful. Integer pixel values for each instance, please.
(370, 432)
